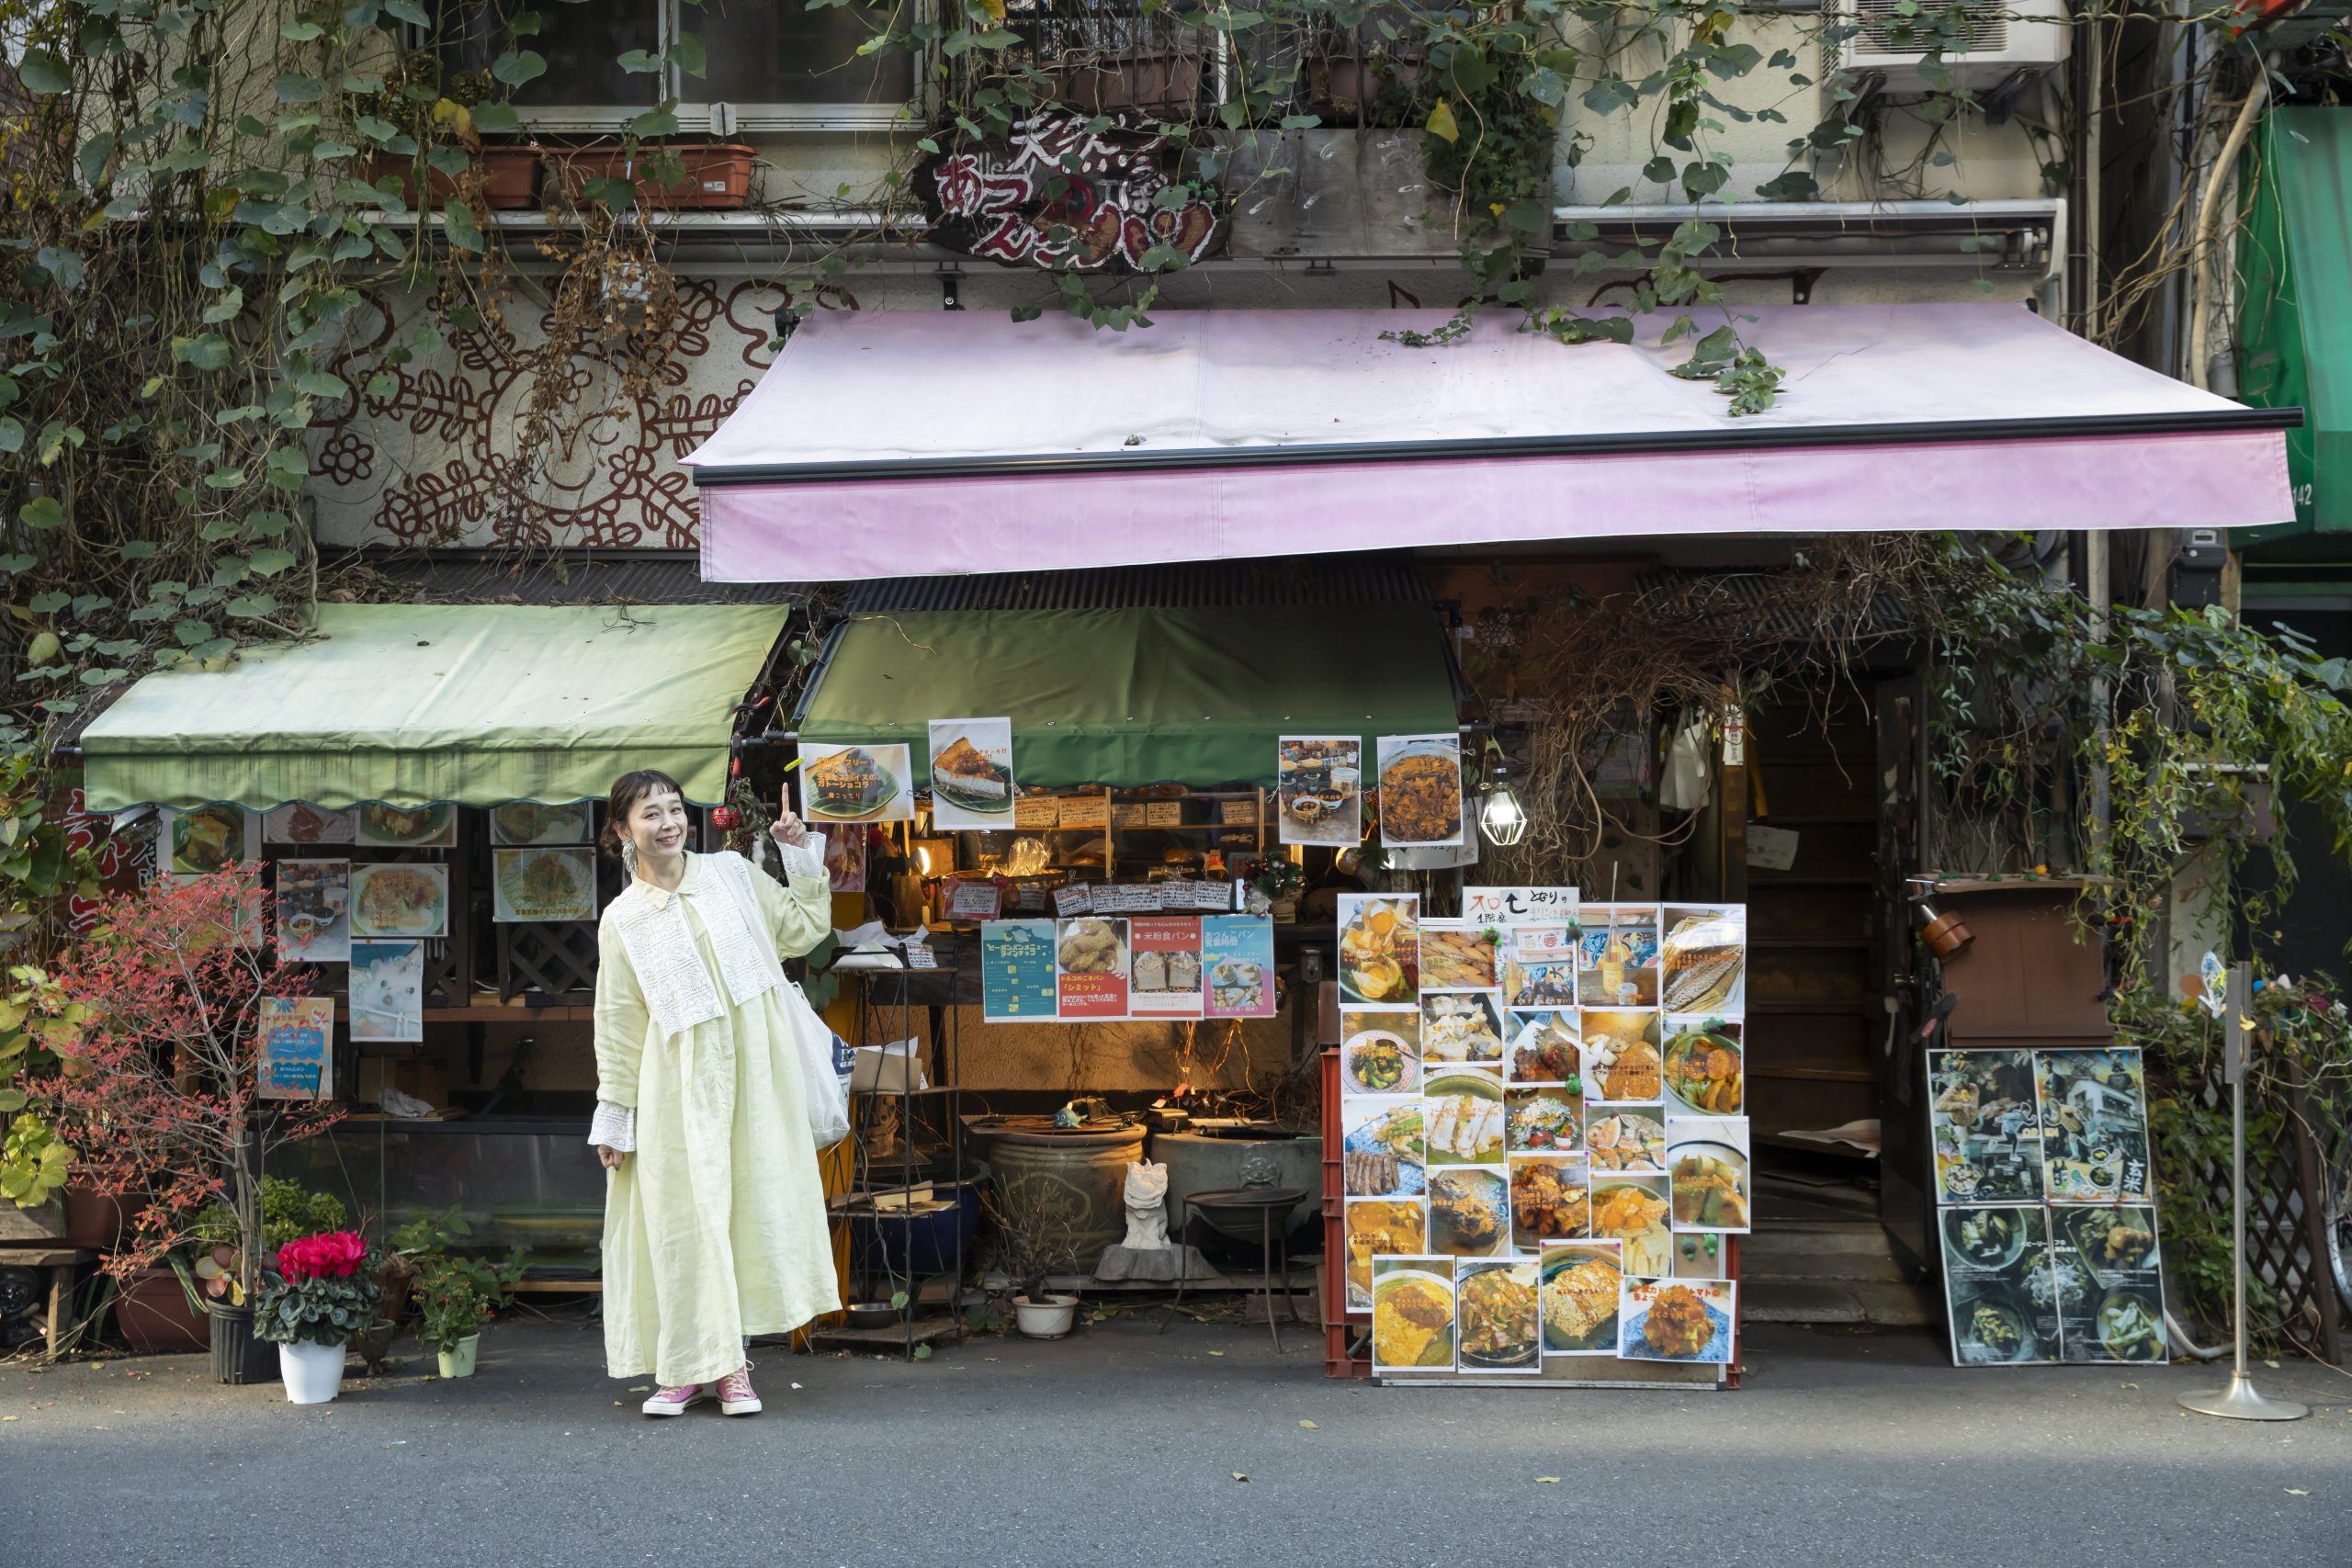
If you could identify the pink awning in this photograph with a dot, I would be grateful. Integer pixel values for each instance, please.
(895, 443)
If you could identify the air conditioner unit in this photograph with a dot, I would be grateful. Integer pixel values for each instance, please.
(2003, 37)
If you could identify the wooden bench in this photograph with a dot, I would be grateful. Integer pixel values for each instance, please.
(61, 1262)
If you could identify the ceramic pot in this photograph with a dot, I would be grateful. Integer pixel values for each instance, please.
(313, 1373)
(458, 1361)
(1048, 1319)
(154, 1316)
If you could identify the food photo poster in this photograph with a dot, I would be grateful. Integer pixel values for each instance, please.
(972, 774)
(1320, 790)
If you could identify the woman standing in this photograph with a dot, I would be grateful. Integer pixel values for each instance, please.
(715, 1225)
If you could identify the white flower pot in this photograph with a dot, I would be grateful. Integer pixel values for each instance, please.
(313, 1373)
(1047, 1319)
(458, 1361)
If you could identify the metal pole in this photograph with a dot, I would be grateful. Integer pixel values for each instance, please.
(2239, 1402)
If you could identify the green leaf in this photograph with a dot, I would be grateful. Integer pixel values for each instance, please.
(252, 606)
(64, 266)
(1659, 170)
(458, 222)
(409, 11)
(42, 512)
(270, 561)
(97, 153)
(209, 352)
(517, 66)
(48, 603)
(654, 122)
(496, 118)
(686, 55)
(637, 63)
(294, 87)
(225, 307)
(44, 73)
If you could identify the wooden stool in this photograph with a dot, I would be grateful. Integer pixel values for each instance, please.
(61, 1262)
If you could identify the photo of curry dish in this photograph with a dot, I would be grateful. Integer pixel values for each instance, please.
(1412, 1314)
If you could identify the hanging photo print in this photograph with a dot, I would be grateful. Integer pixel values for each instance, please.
(301, 824)
(845, 861)
(1579, 1291)
(1377, 1226)
(1238, 962)
(431, 827)
(1420, 790)
(1383, 1151)
(210, 838)
(314, 911)
(1091, 962)
(1704, 1071)
(1501, 1316)
(297, 1060)
(1164, 978)
(1457, 956)
(1319, 783)
(1677, 1320)
(526, 822)
(971, 772)
(1617, 956)
(393, 898)
(1707, 1159)
(856, 783)
(1412, 1314)
(1380, 950)
(544, 885)
(1703, 961)
(1380, 1053)
(388, 990)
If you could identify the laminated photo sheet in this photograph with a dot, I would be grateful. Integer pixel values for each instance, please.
(1498, 1315)
(1377, 1226)
(1543, 1118)
(523, 824)
(1539, 964)
(1470, 1210)
(1676, 1320)
(1412, 1314)
(1380, 950)
(314, 906)
(1701, 1255)
(1624, 1140)
(388, 991)
(2094, 1106)
(1384, 1149)
(2108, 1278)
(206, 839)
(1320, 790)
(1580, 1293)
(1458, 956)
(550, 884)
(1380, 1053)
(1238, 966)
(1420, 791)
(1705, 1063)
(1623, 1061)
(1617, 956)
(1707, 1160)
(1702, 959)
(972, 774)
(1165, 975)
(1551, 1200)
(301, 824)
(1636, 1211)
(297, 1057)
(1463, 1029)
(394, 900)
(1091, 959)
(1984, 1124)
(855, 784)
(2000, 1289)
(1461, 1114)
(1546, 1046)
(1018, 983)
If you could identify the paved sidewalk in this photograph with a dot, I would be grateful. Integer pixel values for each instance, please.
(1120, 1447)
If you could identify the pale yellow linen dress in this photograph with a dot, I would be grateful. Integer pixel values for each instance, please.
(715, 1227)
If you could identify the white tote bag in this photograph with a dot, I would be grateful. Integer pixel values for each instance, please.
(825, 1059)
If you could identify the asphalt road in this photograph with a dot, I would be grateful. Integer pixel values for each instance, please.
(1122, 1446)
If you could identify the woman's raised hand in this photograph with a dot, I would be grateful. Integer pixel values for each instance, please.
(788, 828)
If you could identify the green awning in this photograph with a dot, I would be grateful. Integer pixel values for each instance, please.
(1137, 696)
(477, 704)
(2295, 317)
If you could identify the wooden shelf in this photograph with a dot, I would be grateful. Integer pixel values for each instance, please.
(1813, 1075)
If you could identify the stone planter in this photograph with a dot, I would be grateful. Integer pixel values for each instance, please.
(1241, 1154)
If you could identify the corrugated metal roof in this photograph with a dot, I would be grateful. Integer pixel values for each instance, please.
(637, 577)
(1756, 594)
(1174, 586)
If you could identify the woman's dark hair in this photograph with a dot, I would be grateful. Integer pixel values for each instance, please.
(627, 790)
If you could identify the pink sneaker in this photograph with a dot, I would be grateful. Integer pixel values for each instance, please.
(677, 1401)
(735, 1395)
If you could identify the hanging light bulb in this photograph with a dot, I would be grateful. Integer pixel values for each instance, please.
(1502, 819)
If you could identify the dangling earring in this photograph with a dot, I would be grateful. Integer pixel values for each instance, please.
(628, 858)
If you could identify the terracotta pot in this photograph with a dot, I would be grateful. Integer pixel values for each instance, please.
(509, 177)
(95, 1220)
(154, 1316)
(715, 174)
(1140, 82)
(1946, 934)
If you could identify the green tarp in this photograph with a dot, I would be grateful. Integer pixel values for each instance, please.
(1137, 696)
(2295, 293)
(477, 704)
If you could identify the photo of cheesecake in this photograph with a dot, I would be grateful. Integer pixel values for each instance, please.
(963, 775)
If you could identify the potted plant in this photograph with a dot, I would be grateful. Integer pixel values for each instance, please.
(1280, 881)
(668, 176)
(454, 1296)
(396, 1271)
(432, 114)
(157, 1086)
(1036, 1235)
(1114, 57)
(317, 1299)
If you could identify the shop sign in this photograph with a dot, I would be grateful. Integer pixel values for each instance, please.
(1059, 194)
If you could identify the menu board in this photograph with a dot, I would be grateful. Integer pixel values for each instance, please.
(2046, 1211)
(1095, 965)
(1582, 1166)
(1017, 980)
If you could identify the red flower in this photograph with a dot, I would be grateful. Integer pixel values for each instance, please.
(336, 1255)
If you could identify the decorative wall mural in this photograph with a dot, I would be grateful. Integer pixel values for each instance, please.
(434, 460)
(1059, 195)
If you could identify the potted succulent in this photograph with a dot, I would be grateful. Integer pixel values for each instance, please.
(454, 1296)
(160, 1010)
(319, 1298)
